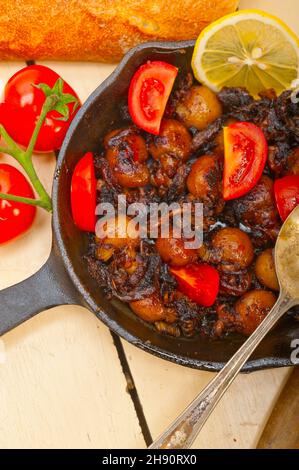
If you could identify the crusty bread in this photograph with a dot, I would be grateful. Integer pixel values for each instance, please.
(98, 29)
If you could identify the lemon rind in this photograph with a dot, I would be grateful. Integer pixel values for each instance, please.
(227, 20)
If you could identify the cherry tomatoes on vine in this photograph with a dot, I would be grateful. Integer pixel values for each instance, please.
(15, 217)
(23, 104)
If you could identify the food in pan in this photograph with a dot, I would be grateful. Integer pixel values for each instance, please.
(235, 153)
(241, 175)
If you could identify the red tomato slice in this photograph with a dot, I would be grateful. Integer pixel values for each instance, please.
(149, 91)
(246, 152)
(15, 217)
(83, 194)
(286, 191)
(24, 103)
(199, 282)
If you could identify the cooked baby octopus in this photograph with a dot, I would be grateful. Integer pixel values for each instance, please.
(252, 308)
(246, 314)
(265, 270)
(235, 283)
(173, 251)
(204, 181)
(293, 162)
(169, 150)
(116, 233)
(152, 309)
(126, 153)
(199, 107)
(282, 160)
(232, 251)
(257, 210)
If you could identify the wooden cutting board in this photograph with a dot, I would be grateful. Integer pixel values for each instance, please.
(282, 429)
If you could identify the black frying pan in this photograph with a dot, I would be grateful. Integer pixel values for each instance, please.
(64, 279)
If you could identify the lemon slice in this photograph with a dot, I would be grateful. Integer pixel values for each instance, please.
(249, 48)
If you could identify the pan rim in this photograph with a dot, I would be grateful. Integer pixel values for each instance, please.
(212, 366)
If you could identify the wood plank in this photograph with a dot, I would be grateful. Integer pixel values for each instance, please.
(165, 389)
(286, 10)
(62, 386)
(61, 380)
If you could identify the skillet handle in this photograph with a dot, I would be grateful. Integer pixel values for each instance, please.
(49, 287)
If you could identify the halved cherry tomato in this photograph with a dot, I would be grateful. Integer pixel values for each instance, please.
(286, 191)
(199, 282)
(246, 151)
(149, 91)
(23, 104)
(15, 217)
(83, 194)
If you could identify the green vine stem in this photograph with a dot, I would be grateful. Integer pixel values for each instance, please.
(25, 200)
(55, 99)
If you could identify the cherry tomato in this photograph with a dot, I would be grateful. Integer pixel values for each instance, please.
(23, 106)
(15, 217)
(83, 194)
(199, 282)
(246, 151)
(286, 191)
(149, 91)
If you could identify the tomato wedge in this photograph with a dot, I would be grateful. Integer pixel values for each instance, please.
(245, 156)
(199, 282)
(83, 194)
(286, 191)
(15, 217)
(149, 91)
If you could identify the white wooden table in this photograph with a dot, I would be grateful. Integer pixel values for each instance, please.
(61, 379)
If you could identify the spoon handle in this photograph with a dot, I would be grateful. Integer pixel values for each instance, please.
(183, 431)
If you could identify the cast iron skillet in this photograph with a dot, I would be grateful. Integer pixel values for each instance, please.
(64, 278)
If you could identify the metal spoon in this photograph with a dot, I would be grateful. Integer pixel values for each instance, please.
(183, 431)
